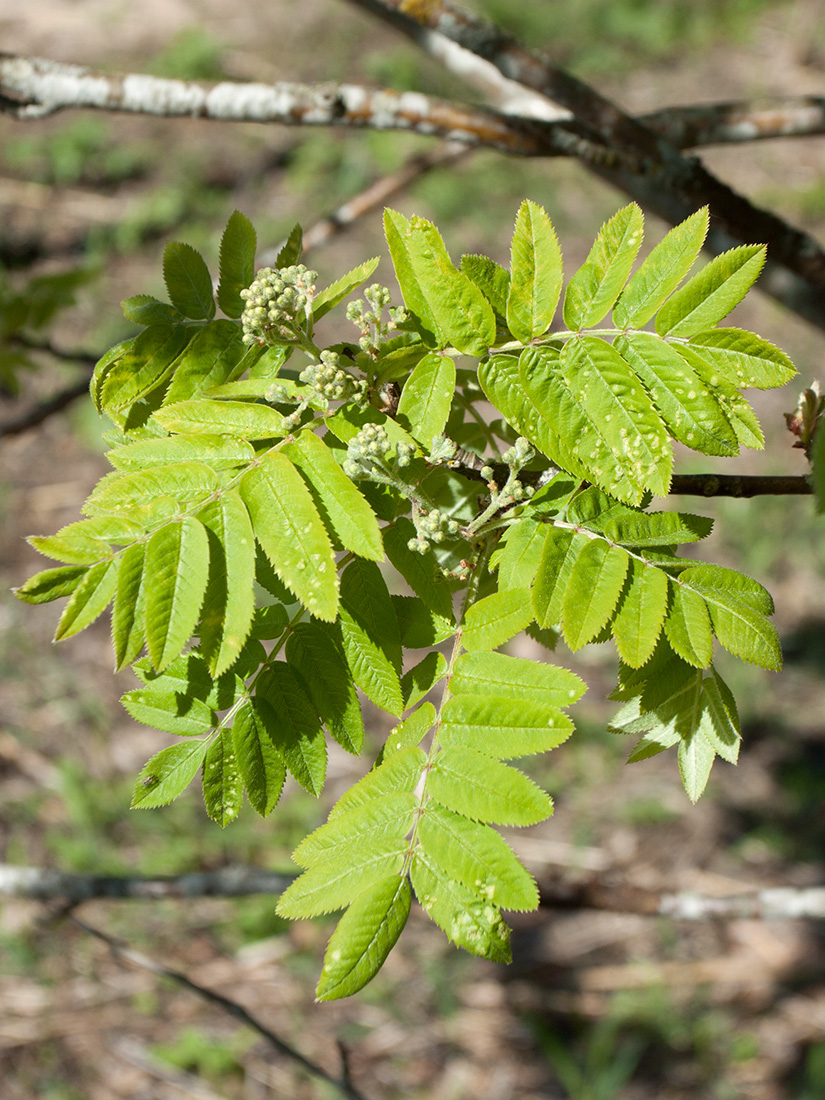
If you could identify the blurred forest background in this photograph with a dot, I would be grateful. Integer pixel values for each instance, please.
(597, 1005)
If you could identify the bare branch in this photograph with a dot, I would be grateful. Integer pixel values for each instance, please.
(44, 409)
(740, 485)
(643, 164)
(238, 1012)
(725, 123)
(230, 882)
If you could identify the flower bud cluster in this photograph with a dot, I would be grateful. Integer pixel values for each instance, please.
(278, 305)
(371, 453)
(432, 526)
(368, 317)
(329, 379)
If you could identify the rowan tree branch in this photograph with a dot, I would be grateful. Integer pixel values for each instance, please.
(122, 951)
(740, 485)
(35, 416)
(775, 903)
(637, 160)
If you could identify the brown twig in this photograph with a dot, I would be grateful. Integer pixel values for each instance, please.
(47, 885)
(739, 485)
(238, 1012)
(44, 409)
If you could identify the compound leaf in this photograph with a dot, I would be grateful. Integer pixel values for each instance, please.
(515, 678)
(336, 884)
(369, 631)
(319, 661)
(229, 602)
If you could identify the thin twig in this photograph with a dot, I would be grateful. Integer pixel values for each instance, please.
(45, 885)
(238, 1012)
(740, 485)
(42, 411)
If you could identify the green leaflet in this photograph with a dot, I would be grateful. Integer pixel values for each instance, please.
(469, 921)
(691, 413)
(711, 294)
(741, 628)
(744, 359)
(558, 425)
(593, 591)
(696, 712)
(117, 493)
(498, 377)
(145, 365)
(88, 600)
(364, 937)
(337, 291)
(177, 563)
(743, 588)
(390, 817)
(641, 615)
(341, 506)
(292, 248)
(479, 787)
(330, 886)
(621, 410)
(229, 602)
(172, 712)
(293, 725)
(515, 678)
(237, 263)
(188, 281)
(519, 554)
(652, 529)
(369, 631)
(144, 309)
(288, 527)
(535, 273)
(491, 279)
(420, 571)
(211, 358)
(218, 451)
(317, 657)
(189, 676)
(261, 766)
(495, 727)
(422, 678)
(688, 627)
(427, 397)
(50, 584)
(662, 271)
(401, 772)
(222, 786)
(494, 620)
(411, 731)
(269, 622)
(593, 290)
(168, 774)
(446, 302)
(104, 367)
(236, 418)
(740, 415)
(561, 549)
(476, 856)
